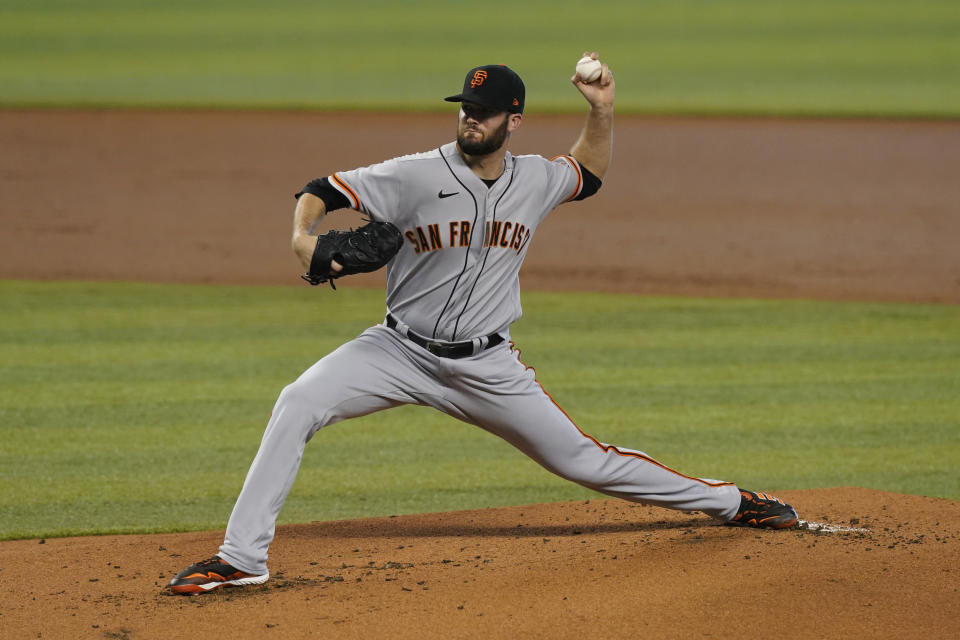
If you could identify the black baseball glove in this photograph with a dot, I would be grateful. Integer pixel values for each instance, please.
(359, 251)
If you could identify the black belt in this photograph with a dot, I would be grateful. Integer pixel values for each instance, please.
(446, 349)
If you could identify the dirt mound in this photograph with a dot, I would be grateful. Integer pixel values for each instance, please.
(598, 569)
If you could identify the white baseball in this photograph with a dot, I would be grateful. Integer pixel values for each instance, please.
(589, 69)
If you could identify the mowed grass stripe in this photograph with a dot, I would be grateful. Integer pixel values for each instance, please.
(750, 56)
(138, 407)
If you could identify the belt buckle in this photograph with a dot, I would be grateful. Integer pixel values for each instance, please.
(436, 348)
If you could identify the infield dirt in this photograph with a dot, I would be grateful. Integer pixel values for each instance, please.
(769, 208)
(815, 209)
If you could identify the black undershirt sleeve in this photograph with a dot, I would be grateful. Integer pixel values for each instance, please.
(591, 184)
(322, 188)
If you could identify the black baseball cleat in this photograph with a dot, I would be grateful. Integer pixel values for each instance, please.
(763, 511)
(211, 574)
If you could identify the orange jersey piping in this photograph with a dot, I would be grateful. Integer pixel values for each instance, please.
(609, 447)
(347, 191)
(576, 167)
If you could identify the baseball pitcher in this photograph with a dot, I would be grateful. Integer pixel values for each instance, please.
(452, 225)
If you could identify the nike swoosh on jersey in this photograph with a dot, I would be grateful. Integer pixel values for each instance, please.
(446, 195)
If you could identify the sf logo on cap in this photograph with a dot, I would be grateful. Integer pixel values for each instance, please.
(478, 78)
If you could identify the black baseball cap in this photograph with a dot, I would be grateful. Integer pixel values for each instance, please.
(493, 85)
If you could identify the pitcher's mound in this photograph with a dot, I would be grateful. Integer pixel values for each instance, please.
(868, 564)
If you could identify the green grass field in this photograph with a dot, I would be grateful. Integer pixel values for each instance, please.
(854, 57)
(138, 407)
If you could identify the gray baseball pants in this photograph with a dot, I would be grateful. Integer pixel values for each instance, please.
(492, 389)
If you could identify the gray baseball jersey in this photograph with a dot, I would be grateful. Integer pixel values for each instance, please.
(454, 281)
(456, 277)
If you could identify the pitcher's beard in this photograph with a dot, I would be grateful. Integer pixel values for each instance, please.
(487, 145)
